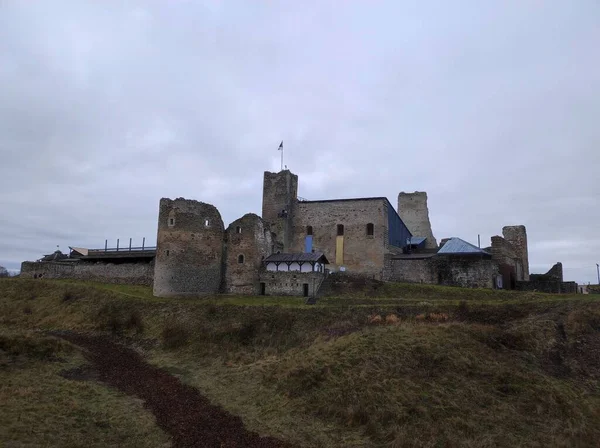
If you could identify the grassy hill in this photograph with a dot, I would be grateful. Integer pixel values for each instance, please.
(388, 365)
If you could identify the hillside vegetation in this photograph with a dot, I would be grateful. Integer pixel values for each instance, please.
(389, 365)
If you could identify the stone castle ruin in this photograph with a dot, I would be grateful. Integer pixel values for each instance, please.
(296, 243)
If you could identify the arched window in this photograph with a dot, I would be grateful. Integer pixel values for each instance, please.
(370, 229)
(340, 229)
(309, 230)
(240, 258)
(238, 229)
(206, 223)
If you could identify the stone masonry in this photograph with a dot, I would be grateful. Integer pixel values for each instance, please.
(248, 242)
(280, 195)
(361, 252)
(122, 273)
(189, 248)
(517, 237)
(412, 208)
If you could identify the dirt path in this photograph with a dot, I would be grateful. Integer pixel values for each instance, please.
(179, 409)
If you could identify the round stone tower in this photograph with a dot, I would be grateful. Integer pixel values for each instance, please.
(189, 248)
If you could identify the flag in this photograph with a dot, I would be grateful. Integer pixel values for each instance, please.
(280, 146)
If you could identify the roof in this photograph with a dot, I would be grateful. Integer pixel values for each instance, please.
(380, 198)
(416, 240)
(56, 255)
(458, 246)
(83, 251)
(300, 257)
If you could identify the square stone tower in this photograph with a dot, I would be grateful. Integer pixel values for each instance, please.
(413, 211)
(280, 195)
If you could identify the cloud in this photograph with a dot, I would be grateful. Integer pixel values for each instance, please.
(489, 108)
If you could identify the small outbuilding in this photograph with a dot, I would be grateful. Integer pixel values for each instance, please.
(299, 274)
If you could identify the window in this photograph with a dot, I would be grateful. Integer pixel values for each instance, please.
(309, 230)
(240, 258)
(171, 222)
(370, 229)
(238, 229)
(340, 229)
(206, 223)
(167, 252)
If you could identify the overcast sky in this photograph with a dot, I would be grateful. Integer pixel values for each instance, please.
(493, 108)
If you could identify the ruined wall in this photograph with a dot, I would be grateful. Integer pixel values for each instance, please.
(554, 274)
(121, 273)
(510, 265)
(517, 237)
(361, 252)
(467, 272)
(249, 237)
(280, 192)
(189, 248)
(290, 283)
(548, 286)
(412, 208)
(410, 270)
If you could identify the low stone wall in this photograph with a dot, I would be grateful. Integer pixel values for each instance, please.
(548, 286)
(468, 272)
(291, 283)
(593, 289)
(123, 273)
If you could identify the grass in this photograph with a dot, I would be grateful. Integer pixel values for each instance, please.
(41, 408)
(505, 369)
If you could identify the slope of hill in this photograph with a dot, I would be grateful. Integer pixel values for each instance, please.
(377, 365)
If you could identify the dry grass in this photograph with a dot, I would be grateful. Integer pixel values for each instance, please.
(478, 368)
(41, 408)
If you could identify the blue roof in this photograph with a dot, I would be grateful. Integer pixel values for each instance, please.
(416, 240)
(458, 246)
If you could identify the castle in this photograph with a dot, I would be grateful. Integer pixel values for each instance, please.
(277, 253)
(296, 243)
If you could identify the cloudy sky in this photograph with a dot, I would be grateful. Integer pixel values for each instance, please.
(490, 107)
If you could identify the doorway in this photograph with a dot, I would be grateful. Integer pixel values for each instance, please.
(263, 289)
(305, 286)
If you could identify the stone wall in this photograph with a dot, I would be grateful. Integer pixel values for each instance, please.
(412, 208)
(122, 273)
(361, 252)
(291, 283)
(410, 270)
(280, 193)
(517, 237)
(250, 238)
(548, 286)
(468, 272)
(511, 269)
(554, 274)
(189, 248)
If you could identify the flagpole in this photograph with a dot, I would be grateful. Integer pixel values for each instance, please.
(281, 149)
